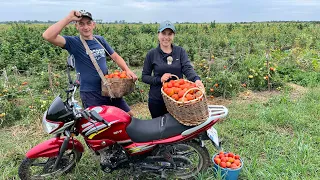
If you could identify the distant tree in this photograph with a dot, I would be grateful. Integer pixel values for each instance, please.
(98, 21)
(213, 24)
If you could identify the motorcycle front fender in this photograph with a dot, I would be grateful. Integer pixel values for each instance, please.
(51, 147)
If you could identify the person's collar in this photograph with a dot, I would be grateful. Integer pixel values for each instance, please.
(160, 50)
(87, 39)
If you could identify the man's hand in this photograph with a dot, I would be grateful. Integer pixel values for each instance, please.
(74, 16)
(130, 74)
(165, 77)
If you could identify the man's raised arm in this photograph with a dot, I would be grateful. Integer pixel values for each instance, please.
(52, 33)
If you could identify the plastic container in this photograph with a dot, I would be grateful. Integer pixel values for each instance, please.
(226, 173)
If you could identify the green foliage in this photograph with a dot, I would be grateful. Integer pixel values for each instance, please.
(24, 47)
(277, 139)
(228, 57)
(24, 96)
(265, 133)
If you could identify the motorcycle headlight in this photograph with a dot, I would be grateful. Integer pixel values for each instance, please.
(49, 127)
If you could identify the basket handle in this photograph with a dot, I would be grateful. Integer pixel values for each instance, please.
(195, 88)
(173, 76)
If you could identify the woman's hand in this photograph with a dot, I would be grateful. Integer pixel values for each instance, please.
(165, 77)
(199, 84)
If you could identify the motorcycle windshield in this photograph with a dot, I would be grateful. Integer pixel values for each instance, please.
(58, 111)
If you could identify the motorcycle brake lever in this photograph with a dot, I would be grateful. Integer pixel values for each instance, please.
(86, 112)
(85, 115)
(97, 117)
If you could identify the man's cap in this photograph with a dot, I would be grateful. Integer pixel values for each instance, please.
(166, 25)
(85, 14)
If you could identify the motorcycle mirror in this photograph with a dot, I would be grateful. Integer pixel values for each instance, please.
(70, 62)
(77, 81)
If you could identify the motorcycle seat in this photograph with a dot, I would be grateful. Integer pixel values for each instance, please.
(155, 129)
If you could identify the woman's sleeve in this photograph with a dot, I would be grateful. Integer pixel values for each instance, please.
(147, 71)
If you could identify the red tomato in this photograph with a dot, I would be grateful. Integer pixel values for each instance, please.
(233, 166)
(223, 165)
(217, 160)
(237, 162)
(224, 159)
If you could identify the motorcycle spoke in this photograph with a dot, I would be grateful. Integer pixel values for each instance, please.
(186, 153)
(39, 164)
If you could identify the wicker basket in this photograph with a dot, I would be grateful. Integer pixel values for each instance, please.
(189, 113)
(117, 87)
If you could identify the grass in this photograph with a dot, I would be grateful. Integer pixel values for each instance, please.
(277, 138)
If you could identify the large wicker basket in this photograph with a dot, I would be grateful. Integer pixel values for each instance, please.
(189, 113)
(117, 87)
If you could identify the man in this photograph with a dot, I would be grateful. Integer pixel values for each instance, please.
(90, 89)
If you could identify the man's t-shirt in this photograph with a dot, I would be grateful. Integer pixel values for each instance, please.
(89, 77)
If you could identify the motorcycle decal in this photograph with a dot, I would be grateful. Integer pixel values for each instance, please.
(88, 123)
(117, 132)
(123, 142)
(94, 134)
(88, 128)
(140, 148)
(94, 130)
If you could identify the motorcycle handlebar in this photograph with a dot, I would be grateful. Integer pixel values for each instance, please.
(94, 116)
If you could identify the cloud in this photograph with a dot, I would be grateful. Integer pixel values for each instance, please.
(291, 3)
(176, 4)
(158, 10)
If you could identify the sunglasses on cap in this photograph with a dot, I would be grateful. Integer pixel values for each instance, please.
(85, 14)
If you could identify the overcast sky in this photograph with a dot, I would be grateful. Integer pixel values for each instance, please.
(159, 10)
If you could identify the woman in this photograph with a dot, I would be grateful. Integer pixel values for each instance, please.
(163, 61)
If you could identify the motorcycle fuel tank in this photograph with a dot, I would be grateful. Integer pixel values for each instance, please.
(118, 119)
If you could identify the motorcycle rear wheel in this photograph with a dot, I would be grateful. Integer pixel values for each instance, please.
(39, 168)
(190, 159)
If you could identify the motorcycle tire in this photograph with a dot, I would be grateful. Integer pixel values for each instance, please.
(66, 165)
(184, 154)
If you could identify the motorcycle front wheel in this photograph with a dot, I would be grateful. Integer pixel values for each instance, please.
(190, 159)
(39, 168)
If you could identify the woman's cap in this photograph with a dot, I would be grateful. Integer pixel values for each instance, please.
(166, 25)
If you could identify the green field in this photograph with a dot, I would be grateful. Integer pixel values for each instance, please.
(276, 131)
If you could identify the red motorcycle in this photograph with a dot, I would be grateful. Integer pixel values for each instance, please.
(160, 146)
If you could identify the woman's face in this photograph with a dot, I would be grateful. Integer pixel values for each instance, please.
(166, 37)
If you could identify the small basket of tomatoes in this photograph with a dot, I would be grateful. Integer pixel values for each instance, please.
(117, 84)
(185, 101)
(227, 165)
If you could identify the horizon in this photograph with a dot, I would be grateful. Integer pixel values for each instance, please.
(124, 22)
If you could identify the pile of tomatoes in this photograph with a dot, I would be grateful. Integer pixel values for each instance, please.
(228, 160)
(117, 74)
(176, 89)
